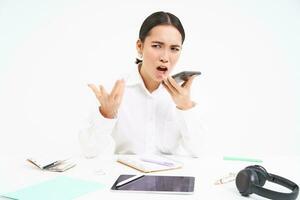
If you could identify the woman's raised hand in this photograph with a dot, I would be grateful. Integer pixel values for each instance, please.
(110, 102)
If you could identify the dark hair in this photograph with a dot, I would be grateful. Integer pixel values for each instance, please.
(159, 18)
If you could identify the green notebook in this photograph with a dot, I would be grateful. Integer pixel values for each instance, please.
(60, 188)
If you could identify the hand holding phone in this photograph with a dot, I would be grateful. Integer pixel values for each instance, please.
(180, 93)
(184, 75)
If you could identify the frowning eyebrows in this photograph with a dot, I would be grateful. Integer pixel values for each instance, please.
(162, 43)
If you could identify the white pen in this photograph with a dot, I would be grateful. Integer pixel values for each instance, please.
(129, 180)
(169, 164)
(226, 179)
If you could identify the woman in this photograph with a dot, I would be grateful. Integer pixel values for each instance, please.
(148, 111)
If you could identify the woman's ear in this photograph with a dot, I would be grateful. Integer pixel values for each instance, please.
(139, 47)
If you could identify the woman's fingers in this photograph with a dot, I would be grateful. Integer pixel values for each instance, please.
(172, 89)
(167, 88)
(103, 91)
(93, 87)
(174, 84)
(120, 91)
(119, 85)
(115, 89)
(187, 84)
(97, 91)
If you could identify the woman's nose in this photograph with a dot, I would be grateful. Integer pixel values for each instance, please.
(164, 58)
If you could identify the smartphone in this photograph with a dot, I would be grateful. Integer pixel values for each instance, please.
(184, 75)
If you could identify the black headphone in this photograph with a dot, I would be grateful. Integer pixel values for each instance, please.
(252, 179)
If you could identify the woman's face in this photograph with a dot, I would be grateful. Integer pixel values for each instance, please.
(160, 51)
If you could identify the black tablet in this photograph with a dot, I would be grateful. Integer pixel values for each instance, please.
(157, 184)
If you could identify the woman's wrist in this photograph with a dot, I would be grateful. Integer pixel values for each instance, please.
(186, 106)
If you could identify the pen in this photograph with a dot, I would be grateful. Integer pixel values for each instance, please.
(229, 178)
(242, 159)
(129, 180)
(51, 164)
(169, 164)
(54, 163)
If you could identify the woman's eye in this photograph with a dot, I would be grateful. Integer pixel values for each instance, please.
(156, 46)
(175, 49)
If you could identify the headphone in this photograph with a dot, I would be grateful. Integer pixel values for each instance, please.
(252, 179)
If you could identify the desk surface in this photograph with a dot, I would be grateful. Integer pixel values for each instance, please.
(16, 173)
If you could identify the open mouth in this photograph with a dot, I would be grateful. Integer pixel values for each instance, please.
(162, 68)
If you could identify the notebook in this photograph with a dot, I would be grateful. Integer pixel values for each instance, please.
(149, 163)
(50, 164)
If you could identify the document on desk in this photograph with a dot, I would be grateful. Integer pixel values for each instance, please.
(149, 163)
(59, 188)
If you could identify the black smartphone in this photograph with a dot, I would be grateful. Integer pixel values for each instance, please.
(184, 75)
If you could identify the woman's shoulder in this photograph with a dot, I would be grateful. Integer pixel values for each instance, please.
(131, 77)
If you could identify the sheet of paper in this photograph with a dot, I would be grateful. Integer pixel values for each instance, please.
(60, 188)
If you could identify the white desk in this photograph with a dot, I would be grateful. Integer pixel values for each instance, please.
(15, 173)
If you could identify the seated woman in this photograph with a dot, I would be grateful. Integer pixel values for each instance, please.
(149, 112)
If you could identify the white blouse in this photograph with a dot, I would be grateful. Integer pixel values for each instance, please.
(150, 123)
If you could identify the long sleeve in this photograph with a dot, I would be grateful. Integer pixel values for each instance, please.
(192, 130)
(102, 124)
(94, 130)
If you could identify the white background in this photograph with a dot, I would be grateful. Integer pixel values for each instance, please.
(248, 52)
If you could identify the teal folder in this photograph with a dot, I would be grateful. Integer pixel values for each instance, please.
(60, 188)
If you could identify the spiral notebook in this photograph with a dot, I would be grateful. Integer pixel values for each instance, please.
(149, 163)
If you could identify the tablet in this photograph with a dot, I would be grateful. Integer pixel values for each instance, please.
(157, 184)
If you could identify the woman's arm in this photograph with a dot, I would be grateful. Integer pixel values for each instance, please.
(192, 130)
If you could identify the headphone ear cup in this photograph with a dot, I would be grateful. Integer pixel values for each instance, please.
(261, 173)
(244, 181)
